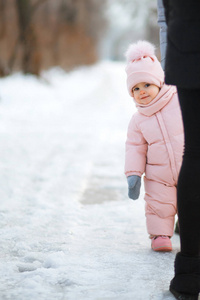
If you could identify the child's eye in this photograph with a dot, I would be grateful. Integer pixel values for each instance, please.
(147, 84)
(135, 89)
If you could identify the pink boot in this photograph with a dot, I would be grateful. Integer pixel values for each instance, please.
(161, 243)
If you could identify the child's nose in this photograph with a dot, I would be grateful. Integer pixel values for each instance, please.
(142, 92)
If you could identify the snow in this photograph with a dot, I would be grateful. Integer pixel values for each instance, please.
(67, 228)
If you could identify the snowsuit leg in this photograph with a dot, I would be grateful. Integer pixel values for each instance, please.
(160, 208)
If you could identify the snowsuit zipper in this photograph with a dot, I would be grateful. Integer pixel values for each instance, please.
(168, 145)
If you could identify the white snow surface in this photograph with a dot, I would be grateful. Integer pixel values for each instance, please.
(67, 228)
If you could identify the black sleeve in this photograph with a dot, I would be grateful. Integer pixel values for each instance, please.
(166, 7)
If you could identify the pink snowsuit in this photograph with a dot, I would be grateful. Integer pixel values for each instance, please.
(154, 146)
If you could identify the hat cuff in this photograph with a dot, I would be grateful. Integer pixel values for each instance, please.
(137, 77)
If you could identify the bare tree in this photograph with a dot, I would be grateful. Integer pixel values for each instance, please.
(45, 33)
(27, 37)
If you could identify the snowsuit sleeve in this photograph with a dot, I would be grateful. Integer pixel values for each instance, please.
(136, 150)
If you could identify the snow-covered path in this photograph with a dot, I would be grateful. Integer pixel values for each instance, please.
(67, 228)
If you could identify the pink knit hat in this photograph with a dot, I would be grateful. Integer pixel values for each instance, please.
(143, 65)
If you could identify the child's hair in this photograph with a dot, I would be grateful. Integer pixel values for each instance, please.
(143, 65)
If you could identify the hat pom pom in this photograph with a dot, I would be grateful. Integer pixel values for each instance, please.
(139, 50)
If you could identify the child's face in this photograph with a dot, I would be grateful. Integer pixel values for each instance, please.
(144, 92)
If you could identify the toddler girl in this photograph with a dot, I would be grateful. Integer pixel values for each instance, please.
(154, 143)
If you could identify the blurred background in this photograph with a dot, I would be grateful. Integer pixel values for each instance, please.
(36, 35)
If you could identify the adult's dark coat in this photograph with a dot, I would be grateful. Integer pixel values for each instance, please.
(182, 66)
